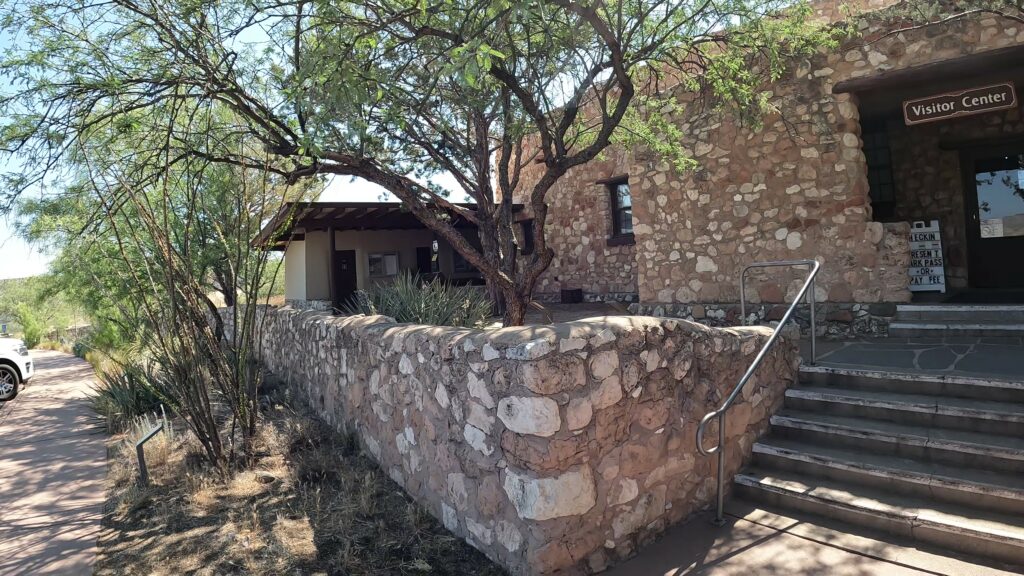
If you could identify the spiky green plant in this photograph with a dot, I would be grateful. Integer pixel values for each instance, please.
(124, 392)
(409, 298)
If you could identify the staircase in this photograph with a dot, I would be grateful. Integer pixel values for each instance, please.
(938, 460)
(938, 320)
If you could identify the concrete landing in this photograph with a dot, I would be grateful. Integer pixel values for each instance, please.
(759, 541)
(994, 357)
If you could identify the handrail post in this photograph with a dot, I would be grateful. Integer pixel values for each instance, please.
(743, 297)
(813, 268)
(814, 325)
(720, 510)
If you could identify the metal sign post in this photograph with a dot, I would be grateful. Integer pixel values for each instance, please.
(141, 453)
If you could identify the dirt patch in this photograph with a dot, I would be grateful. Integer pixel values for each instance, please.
(311, 504)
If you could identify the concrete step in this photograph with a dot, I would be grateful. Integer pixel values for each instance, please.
(953, 447)
(938, 329)
(986, 534)
(867, 543)
(972, 415)
(909, 383)
(975, 313)
(995, 491)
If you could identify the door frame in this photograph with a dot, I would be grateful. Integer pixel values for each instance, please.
(972, 232)
(336, 256)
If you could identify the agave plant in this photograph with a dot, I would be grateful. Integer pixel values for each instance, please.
(410, 298)
(124, 392)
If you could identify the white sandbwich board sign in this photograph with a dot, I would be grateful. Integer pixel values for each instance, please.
(927, 268)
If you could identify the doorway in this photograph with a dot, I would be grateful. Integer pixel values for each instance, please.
(994, 201)
(345, 278)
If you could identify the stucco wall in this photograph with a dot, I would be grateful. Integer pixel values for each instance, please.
(295, 271)
(308, 262)
(366, 242)
(318, 266)
(549, 448)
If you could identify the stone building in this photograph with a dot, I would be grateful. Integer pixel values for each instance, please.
(838, 175)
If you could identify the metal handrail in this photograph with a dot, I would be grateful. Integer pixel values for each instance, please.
(812, 265)
(721, 411)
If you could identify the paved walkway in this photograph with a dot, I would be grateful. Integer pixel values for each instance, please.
(1001, 358)
(52, 472)
(758, 542)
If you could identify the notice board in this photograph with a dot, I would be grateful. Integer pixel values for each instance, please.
(927, 268)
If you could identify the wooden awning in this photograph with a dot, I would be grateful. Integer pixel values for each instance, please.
(294, 219)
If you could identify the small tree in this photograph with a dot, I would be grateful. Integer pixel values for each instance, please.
(395, 91)
(31, 328)
(147, 246)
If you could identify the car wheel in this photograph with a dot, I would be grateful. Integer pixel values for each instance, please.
(8, 383)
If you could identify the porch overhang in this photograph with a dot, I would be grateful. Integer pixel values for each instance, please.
(295, 219)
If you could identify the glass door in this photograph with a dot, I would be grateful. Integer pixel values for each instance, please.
(995, 229)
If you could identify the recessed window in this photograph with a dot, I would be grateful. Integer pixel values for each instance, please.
(526, 245)
(881, 185)
(621, 203)
(427, 261)
(460, 265)
(384, 264)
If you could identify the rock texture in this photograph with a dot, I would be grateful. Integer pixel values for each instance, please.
(793, 188)
(550, 448)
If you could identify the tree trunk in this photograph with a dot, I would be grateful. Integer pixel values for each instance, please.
(516, 305)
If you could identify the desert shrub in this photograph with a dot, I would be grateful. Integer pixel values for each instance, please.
(123, 394)
(409, 298)
(31, 327)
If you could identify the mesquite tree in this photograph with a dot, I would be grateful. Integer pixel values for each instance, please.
(395, 91)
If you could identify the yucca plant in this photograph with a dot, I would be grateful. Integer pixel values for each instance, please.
(124, 392)
(409, 298)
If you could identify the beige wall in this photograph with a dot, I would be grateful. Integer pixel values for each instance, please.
(295, 271)
(318, 265)
(307, 263)
(366, 242)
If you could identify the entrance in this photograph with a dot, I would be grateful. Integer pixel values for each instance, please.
(994, 200)
(345, 282)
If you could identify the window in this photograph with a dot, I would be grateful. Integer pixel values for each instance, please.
(526, 244)
(460, 265)
(881, 186)
(622, 211)
(426, 260)
(384, 264)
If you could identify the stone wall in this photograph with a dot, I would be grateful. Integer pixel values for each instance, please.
(578, 229)
(319, 305)
(833, 320)
(553, 449)
(794, 187)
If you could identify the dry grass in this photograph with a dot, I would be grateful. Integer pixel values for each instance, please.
(312, 504)
(54, 345)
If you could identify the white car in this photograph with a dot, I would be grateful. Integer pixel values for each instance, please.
(15, 367)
